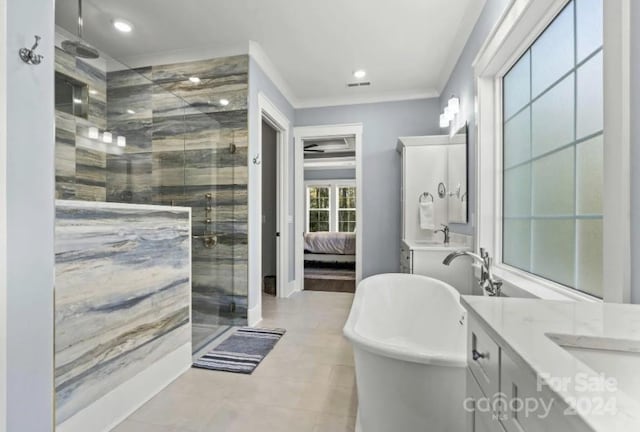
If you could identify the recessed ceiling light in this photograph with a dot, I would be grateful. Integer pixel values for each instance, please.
(77, 101)
(360, 73)
(122, 25)
(224, 102)
(194, 79)
(130, 111)
(93, 92)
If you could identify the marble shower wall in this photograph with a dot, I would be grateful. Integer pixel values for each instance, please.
(81, 163)
(122, 295)
(201, 149)
(182, 144)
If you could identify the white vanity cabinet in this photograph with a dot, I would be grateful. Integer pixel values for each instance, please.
(498, 380)
(423, 258)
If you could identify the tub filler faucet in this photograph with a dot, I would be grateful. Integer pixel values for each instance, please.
(488, 282)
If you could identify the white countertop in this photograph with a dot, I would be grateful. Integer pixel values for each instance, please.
(435, 246)
(529, 327)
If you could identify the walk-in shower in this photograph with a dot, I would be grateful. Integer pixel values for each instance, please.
(158, 134)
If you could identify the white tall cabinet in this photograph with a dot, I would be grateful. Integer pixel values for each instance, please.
(425, 164)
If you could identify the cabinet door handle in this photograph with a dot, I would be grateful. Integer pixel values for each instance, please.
(478, 355)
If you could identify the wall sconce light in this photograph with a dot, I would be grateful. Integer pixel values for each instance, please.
(450, 111)
(444, 122)
(454, 105)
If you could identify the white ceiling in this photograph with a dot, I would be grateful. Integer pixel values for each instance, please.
(408, 47)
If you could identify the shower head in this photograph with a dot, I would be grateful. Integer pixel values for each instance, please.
(79, 48)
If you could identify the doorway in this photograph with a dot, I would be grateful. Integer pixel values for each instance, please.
(270, 232)
(328, 200)
(273, 158)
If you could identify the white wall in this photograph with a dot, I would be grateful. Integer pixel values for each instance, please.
(30, 218)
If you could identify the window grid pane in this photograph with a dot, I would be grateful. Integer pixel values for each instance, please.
(552, 155)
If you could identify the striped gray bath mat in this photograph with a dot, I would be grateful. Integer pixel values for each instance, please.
(242, 352)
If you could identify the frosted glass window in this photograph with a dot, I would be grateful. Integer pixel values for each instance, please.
(553, 118)
(518, 86)
(553, 250)
(553, 184)
(589, 269)
(588, 27)
(517, 139)
(590, 113)
(589, 176)
(517, 248)
(517, 191)
(552, 55)
(553, 152)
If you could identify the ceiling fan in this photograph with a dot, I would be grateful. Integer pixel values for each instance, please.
(309, 148)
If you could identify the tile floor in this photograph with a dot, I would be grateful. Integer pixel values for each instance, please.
(306, 384)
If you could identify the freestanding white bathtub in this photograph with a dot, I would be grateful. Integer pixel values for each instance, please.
(409, 338)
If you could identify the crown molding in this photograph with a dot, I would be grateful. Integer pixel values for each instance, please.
(369, 99)
(469, 21)
(260, 56)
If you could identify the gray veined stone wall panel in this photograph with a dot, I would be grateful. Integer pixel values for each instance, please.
(181, 144)
(122, 296)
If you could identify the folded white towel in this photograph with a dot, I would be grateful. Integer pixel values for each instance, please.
(426, 216)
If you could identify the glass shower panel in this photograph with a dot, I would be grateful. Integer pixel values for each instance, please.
(161, 133)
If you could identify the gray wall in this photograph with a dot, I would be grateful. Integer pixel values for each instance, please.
(337, 174)
(269, 199)
(383, 123)
(259, 82)
(30, 218)
(461, 83)
(635, 153)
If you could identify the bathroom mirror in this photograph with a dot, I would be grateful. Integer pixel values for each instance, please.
(457, 181)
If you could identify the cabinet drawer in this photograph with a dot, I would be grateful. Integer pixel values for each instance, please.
(518, 383)
(483, 358)
(478, 418)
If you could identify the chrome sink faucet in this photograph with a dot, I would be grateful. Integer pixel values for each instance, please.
(487, 282)
(445, 231)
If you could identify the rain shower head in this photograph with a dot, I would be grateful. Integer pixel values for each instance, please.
(79, 48)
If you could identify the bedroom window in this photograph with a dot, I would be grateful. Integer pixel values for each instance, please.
(346, 209)
(553, 152)
(331, 206)
(319, 217)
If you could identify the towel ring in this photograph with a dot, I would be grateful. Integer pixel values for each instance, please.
(424, 196)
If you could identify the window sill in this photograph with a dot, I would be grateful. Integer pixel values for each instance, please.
(519, 284)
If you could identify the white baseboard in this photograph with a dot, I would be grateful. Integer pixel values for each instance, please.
(110, 410)
(294, 287)
(254, 315)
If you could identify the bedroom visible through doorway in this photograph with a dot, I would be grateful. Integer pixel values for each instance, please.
(330, 214)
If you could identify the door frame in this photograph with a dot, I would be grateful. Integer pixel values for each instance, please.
(3, 221)
(322, 131)
(268, 112)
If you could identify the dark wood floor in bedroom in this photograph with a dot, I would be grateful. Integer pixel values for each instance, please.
(332, 285)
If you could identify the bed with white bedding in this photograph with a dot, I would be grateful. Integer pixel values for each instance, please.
(330, 247)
